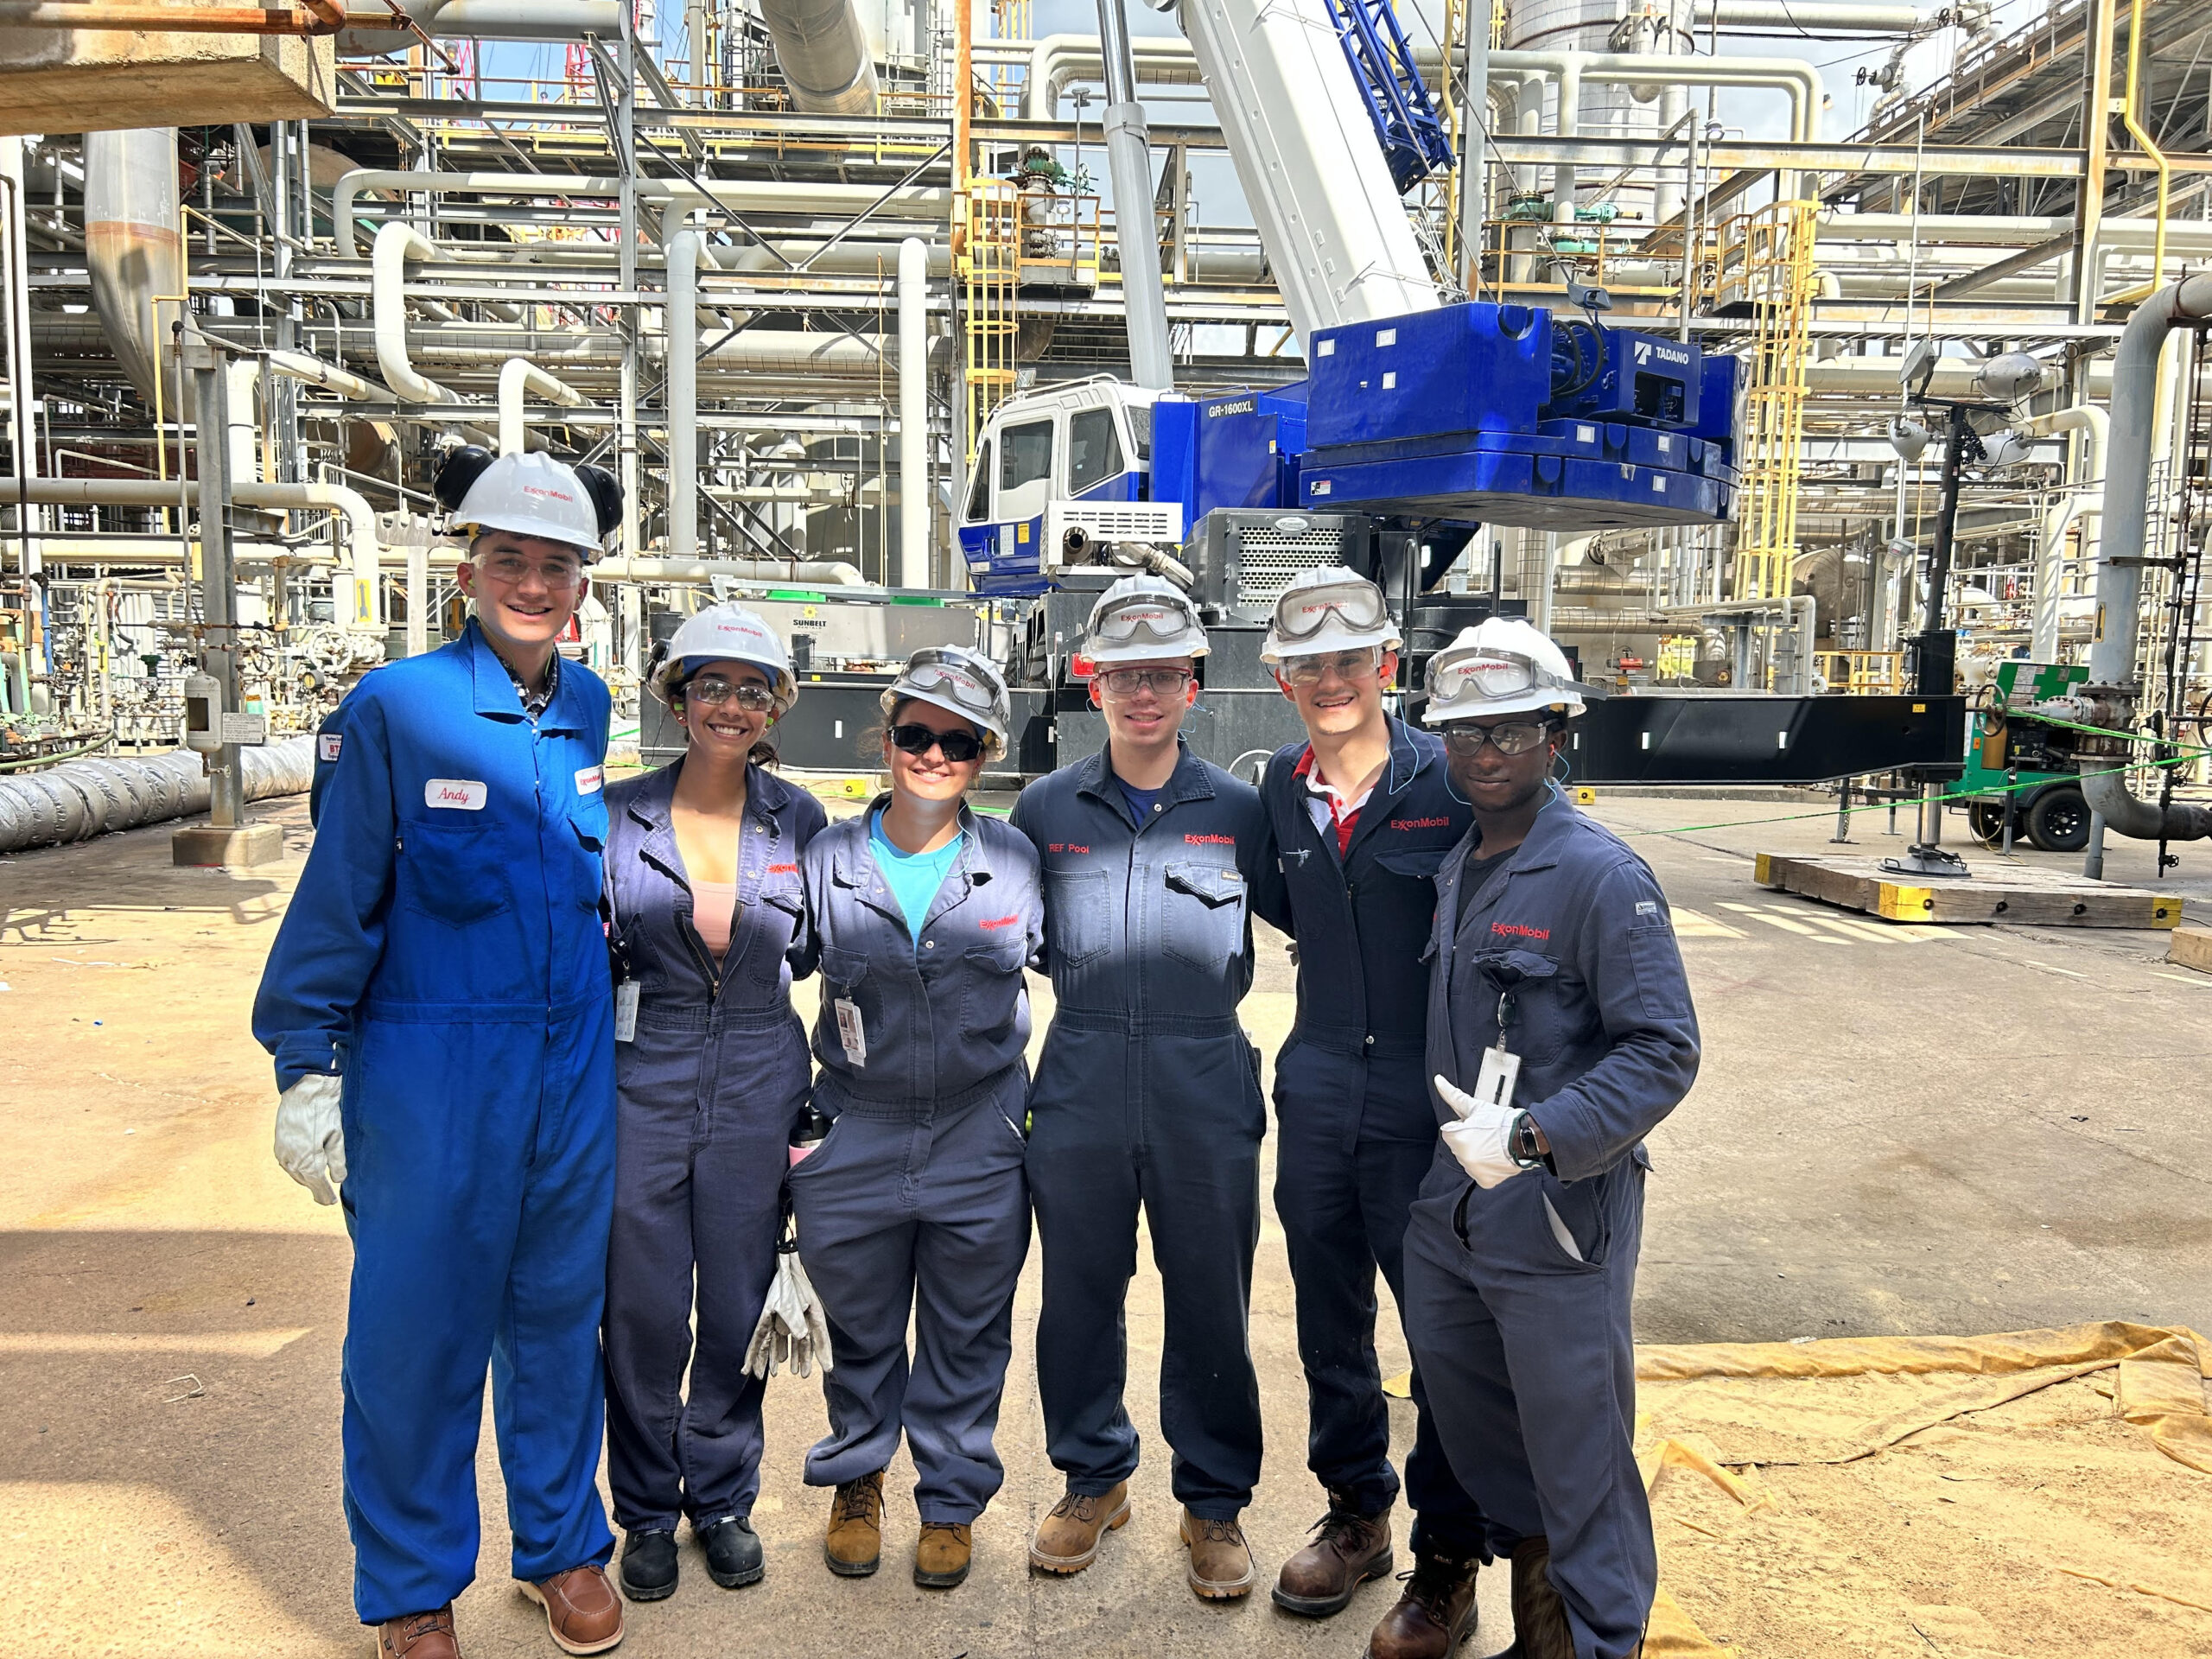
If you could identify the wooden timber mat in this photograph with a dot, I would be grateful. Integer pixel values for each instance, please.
(2035, 1493)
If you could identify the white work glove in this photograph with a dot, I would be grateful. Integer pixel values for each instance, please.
(792, 1327)
(309, 1138)
(1482, 1139)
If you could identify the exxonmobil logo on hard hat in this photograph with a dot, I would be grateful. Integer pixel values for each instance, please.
(540, 489)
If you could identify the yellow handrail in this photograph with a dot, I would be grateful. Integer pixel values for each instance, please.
(2149, 147)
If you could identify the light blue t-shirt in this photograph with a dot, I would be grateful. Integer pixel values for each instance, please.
(914, 877)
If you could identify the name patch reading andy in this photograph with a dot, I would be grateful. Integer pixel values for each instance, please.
(460, 794)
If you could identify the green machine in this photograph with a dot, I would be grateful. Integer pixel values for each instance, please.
(2015, 756)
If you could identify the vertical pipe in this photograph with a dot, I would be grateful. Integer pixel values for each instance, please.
(914, 515)
(683, 249)
(419, 598)
(626, 113)
(1474, 159)
(218, 579)
(963, 87)
(2090, 194)
(1567, 125)
(1128, 160)
(15, 296)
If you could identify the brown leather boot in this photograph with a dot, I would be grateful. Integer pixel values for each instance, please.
(854, 1544)
(419, 1636)
(1067, 1540)
(1221, 1562)
(1348, 1549)
(942, 1554)
(1539, 1616)
(1436, 1613)
(582, 1609)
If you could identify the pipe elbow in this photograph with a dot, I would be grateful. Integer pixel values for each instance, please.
(2128, 814)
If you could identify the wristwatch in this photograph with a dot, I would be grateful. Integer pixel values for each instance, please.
(1521, 1141)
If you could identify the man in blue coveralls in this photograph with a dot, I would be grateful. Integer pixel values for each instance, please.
(1361, 816)
(1147, 1092)
(1560, 1033)
(438, 1004)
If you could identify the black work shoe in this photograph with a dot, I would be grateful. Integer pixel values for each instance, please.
(733, 1550)
(649, 1566)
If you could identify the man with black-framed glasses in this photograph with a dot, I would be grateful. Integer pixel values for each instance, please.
(1148, 1093)
(1559, 1033)
(1360, 817)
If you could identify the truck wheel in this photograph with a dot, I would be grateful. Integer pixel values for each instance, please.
(1986, 820)
(2058, 820)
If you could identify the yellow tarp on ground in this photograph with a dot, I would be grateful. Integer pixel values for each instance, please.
(2038, 1492)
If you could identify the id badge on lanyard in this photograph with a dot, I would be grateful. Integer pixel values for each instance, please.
(1501, 1068)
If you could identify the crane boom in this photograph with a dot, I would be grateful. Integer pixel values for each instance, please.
(1329, 214)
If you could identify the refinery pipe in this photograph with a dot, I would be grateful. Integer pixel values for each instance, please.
(2113, 667)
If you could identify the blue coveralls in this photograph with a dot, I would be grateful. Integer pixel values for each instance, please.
(1353, 1108)
(1149, 1091)
(1528, 1350)
(444, 952)
(708, 1088)
(915, 1203)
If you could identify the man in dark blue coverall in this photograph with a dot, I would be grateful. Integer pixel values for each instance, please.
(1361, 816)
(1148, 1093)
(1560, 1034)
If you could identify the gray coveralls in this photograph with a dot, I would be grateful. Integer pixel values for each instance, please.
(915, 1204)
(1148, 1092)
(707, 1088)
(1527, 1346)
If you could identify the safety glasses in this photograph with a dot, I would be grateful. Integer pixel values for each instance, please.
(1149, 614)
(918, 739)
(1507, 737)
(1124, 682)
(1301, 612)
(1489, 674)
(938, 670)
(1344, 665)
(711, 691)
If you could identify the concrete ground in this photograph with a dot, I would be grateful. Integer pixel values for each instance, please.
(1897, 1130)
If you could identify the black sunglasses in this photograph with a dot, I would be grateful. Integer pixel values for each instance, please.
(916, 739)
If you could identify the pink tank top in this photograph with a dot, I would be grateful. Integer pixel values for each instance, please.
(713, 904)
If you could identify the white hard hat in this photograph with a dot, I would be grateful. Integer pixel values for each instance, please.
(1502, 665)
(727, 633)
(1142, 619)
(962, 681)
(532, 494)
(1328, 608)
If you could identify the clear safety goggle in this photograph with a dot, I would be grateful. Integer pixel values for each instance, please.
(1492, 675)
(939, 669)
(1301, 612)
(1166, 619)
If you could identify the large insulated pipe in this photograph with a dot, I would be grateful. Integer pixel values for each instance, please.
(2120, 577)
(824, 52)
(396, 244)
(914, 514)
(686, 250)
(1129, 161)
(134, 246)
(79, 799)
(484, 20)
(362, 547)
(699, 572)
(517, 376)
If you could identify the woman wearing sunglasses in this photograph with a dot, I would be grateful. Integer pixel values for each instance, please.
(920, 916)
(703, 878)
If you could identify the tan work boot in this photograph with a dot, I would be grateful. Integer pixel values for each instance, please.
(944, 1554)
(854, 1544)
(1540, 1626)
(1221, 1562)
(582, 1610)
(1348, 1549)
(1067, 1540)
(419, 1636)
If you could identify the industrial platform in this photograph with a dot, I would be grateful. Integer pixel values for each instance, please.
(1992, 894)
